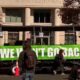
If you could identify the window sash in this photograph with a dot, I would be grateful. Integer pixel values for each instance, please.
(42, 16)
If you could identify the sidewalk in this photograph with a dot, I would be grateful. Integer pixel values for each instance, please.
(37, 77)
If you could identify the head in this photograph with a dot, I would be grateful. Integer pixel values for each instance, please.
(27, 45)
(61, 51)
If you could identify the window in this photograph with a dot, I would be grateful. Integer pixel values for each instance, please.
(13, 36)
(42, 16)
(13, 15)
(70, 37)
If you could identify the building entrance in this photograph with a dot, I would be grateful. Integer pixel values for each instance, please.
(42, 40)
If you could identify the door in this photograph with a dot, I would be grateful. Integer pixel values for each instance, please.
(42, 40)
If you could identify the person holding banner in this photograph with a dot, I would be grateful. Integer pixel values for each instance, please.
(59, 62)
(27, 62)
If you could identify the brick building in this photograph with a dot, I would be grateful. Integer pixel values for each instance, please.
(49, 22)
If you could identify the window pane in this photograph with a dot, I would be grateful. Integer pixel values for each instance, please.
(47, 17)
(36, 17)
(70, 39)
(13, 19)
(18, 19)
(42, 15)
(15, 15)
(7, 18)
(13, 36)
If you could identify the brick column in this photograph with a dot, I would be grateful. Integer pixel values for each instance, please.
(5, 36)
(20, 35)
(77, 37)
(58, 20)
(59, 37)
(27, 16)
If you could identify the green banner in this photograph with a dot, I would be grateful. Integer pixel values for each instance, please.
(43, 52)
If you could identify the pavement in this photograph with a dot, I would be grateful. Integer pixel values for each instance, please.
(37, 77)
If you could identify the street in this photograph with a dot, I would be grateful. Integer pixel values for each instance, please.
(37, 77)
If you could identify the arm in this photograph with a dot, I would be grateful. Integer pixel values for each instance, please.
(35, 57)
(20, 59)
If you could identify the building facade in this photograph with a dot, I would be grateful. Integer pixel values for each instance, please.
(48, 21)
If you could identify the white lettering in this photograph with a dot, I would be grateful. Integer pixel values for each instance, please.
(65, 52)
(12, 53)
(76, 51)
(18, 50)
(56, 51)
(50, 52)
(36, 51)
(42, 52)
(70, 52)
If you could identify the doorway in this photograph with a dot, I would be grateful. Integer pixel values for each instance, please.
(42, 40)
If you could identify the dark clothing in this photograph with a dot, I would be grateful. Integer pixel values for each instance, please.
(74, 74)
(58, 62)
(25, 61)
(21, 61)
(22, 58)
